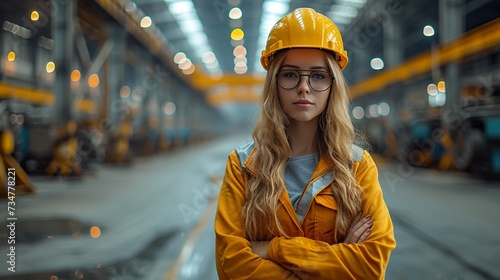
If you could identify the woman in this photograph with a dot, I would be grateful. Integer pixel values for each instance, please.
(291, 202)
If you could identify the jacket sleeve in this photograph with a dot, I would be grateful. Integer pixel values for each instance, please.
(312, 259)
(234, 256)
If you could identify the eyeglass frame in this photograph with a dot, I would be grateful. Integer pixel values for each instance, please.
(308, 78)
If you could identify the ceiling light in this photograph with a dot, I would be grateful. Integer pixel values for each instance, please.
(124, 91)
(241, 71)
(384, 109)
(212, 65)
(239, 50)
(185, 16)
(190, 26)
(11, 56)
(358, 112)
(240, 65)
(441, 86)
(240, 58)
(146, 22)
(428, 31)
(346, 11)
(355, 3)
(197, 39)
(181, 7)
(373, 110)
(50, 67)
(208, 57)
(35, 16)
(189, 71)
(339, 18)
(75, 75)
(169, 108)
(240, 68)
(130, 6)
(179, 57)
(235, 13)
(237, 34)
(93, 80)
(186, 64)
(432, 89)
(377, 63)
(275, 7)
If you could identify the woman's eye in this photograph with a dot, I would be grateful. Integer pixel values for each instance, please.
(318, 76)
(289, 75)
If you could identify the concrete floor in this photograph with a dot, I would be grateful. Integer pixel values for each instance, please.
(156, 221)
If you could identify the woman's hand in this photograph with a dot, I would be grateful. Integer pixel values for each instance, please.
(260, 248)
(359, 230)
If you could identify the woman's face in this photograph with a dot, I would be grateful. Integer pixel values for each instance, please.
(303, 103)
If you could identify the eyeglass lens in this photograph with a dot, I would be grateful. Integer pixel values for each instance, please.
(318, 80)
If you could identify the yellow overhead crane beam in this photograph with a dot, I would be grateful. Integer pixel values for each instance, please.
(482, 39)
(40, 97)
(202, 80)
(230, 88)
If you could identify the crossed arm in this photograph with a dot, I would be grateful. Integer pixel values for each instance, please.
(358, 232)
(363, 255)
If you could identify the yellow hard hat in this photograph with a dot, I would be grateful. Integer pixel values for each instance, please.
(305, 28)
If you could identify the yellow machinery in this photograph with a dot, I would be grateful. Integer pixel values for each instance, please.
(10, 170)
(65, 161)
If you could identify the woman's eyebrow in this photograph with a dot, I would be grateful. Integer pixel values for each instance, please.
(290, 66)
(297, 67)
(320, 67)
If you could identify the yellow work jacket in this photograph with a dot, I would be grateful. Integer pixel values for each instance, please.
(310, 252)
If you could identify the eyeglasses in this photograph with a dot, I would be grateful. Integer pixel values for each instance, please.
(317, 80)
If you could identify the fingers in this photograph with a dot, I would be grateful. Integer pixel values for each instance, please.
(362, 222)
(364, 235)
(363, 231)
(359, 230)
(350, 231)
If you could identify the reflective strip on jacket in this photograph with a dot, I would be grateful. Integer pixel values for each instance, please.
(310, 252)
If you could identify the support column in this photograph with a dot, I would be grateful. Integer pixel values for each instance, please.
(194, 120)
(117, 112)
(152, 107)
(362, 65)
(142, 78)
(393, 51)
(451, 26)
(171, 116)
(65, 161)
(181, 95)
(62, 30)
(34, 82)
(116, 74)
(163, 94)
(393, 56)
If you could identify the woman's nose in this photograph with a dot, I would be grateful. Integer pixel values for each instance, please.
(303, 86)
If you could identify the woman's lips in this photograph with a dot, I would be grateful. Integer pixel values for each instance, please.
(303, 103)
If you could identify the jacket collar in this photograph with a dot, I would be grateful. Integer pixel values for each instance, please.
(249, 162)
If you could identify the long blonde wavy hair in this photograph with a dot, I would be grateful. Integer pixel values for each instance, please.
(336, 137)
